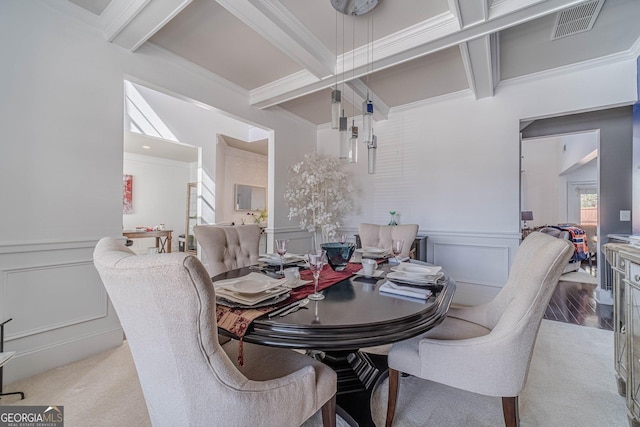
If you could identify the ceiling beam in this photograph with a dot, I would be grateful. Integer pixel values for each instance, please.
(435, 34)
(359, 95)
(470, 12)
(481, 64)
(278, 25)
(129, 24)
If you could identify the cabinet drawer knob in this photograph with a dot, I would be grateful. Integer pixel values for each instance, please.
(636, 277)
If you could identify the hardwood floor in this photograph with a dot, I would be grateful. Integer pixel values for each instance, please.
(576, 303)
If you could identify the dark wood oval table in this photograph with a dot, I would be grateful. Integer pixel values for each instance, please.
(353, 315)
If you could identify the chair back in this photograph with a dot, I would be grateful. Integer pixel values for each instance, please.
(534, 274)
(519, 307)
(228, 247)
(381, 236)
(166, 305)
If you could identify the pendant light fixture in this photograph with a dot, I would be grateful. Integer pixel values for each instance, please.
(367, 109)
(349, 149)
(353, 143)
(336, 95)
(344, 143)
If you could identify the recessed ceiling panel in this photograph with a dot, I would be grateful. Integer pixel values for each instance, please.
(94, 6)
(390, 16)
(425, 77)
(528, 48)
(316, 107)
(206, 34)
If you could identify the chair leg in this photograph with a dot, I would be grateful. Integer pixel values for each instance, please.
(510, 411)
(329, 413)
(393, 396)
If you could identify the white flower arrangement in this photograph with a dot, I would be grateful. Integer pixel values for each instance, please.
(318, 194)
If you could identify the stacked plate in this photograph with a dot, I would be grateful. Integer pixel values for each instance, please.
(274, 259)
(415, 274)
(373, 252)
(252, 290)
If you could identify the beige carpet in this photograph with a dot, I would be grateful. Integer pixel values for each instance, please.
(571, 383)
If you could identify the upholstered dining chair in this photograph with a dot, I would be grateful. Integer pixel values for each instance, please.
(228, 247)
(486, 349)
(381, 236)
(166, 304)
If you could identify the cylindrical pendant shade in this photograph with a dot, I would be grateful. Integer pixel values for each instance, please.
(367, 121)
(336, 108)
(353, 145)
(344, 136)
(372, 148)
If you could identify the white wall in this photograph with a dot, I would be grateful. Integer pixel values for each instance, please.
(61, 115)
(544, 185)
(241, 167)
(453, 167)
(159, 196)
(541, 183)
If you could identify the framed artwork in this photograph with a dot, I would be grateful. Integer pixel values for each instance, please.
(127, 194)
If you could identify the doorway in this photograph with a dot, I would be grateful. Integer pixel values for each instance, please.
(611, 157)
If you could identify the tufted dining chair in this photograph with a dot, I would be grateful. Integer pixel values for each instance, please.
(228, 247)
(381, 236)
(166, 304)
(486, 349)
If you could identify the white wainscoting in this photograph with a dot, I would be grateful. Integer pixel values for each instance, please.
(478, 262)
(60, 309)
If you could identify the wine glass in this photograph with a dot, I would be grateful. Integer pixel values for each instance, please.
(317, 260)
(342, 238)
(281, 248)
(396, 247)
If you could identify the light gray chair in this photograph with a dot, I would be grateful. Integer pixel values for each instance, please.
(166, 304)
(486, 349)
(381, 236)
(228, 247)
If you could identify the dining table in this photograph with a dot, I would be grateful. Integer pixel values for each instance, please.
(353, 315)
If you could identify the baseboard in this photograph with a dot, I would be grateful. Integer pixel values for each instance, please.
(43, 359)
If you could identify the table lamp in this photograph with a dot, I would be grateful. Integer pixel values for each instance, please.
(526, 216)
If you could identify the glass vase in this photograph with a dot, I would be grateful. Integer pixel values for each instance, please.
(393, 218)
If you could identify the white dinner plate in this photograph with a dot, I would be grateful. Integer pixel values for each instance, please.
(371, 250)
(418, 270)
(222, 300)
(252, 283)
(274, 259)
(251, 300)
(411, 278)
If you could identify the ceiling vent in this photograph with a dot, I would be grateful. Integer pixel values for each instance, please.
(576, 19)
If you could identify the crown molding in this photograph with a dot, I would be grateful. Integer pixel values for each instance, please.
(615, 58)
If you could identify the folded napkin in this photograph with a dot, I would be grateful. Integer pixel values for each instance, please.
(392, 288)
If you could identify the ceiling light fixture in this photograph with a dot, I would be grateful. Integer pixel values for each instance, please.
(356, 8)
(336, 95)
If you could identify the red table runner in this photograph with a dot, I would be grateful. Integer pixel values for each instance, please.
(238, 320)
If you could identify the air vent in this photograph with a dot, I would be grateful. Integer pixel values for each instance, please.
(577, 19)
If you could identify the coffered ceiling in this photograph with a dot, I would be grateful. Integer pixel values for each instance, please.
(289, 53)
